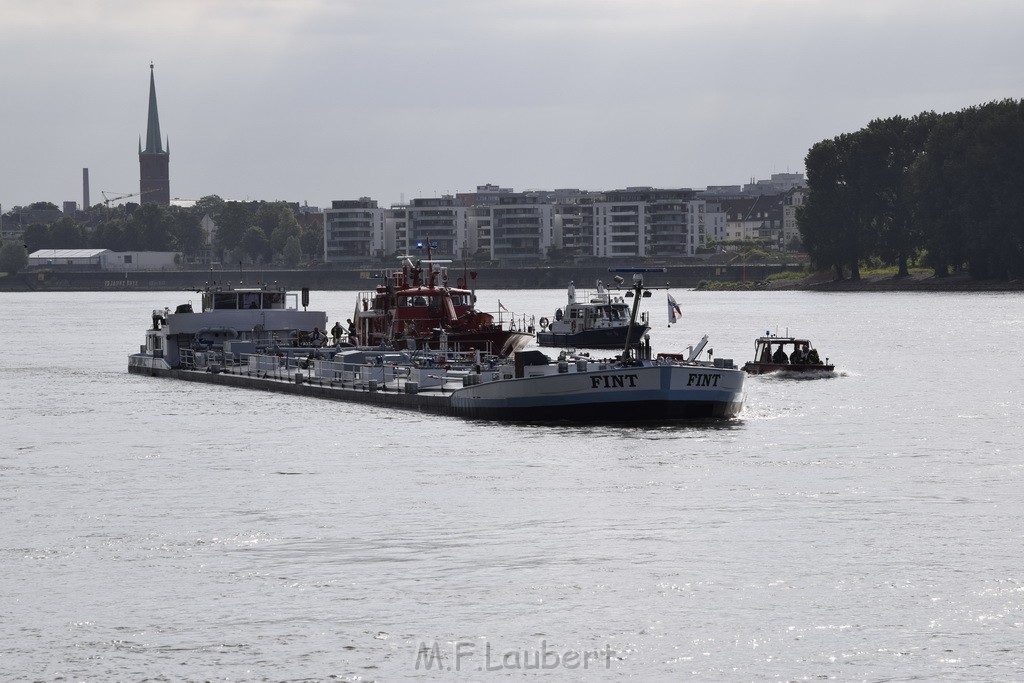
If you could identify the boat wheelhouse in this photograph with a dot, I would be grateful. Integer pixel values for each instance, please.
(416, 309)
(785, 354)
(234, 319)
(593, 320)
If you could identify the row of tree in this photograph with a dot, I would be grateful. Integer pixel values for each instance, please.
(939, 189)
(263, 232)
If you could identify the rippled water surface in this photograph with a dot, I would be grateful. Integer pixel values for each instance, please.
(868, 526)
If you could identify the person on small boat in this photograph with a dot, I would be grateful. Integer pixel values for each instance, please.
(799, 355)
(812, 357)
(766, 354)
(779, 356)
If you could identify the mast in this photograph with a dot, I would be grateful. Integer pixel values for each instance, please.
(638, 292)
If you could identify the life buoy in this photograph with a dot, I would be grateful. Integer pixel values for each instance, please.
(543, 323)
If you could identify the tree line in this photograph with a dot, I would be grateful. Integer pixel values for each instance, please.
(255, 232)
(939, 190)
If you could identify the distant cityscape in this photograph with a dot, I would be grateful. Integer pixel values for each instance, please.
(491, 223)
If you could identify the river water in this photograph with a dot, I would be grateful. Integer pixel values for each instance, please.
(868, 526)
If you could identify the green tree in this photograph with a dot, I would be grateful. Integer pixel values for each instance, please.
(312, 240)
(67, 233)
(990, 179)
(966, 193)
(900, 143)
(152, 224)
(287, 228)
(36, 236)
(233, 221)
(256, 244)
(292, 252)
(210, 204)
(109, 235)
(825, 215)
(268, 216)
(13, 257)
(187, 235)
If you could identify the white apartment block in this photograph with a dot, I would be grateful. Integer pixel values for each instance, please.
(522, 228)
(498, 224)
(644, 221)
(439, 222)
(354, 231)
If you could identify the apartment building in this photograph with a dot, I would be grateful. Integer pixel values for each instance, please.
(498, 224)
(441, 222)
(522, 227)
(754, 218)
(354, 231)
(644, 221)
(791, 201)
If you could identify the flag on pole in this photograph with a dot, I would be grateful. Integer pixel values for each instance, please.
(673, 309)
(501, 306)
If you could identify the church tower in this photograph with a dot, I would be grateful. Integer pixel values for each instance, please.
(154, 177)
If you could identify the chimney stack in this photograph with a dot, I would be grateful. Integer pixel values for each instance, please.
(85, 189)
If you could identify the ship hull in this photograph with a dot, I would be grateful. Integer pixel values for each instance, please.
(622, 394)
(603, 338)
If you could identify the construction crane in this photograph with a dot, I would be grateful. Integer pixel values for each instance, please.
(118, 196)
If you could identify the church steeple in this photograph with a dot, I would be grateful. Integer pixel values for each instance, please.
(154, 176)
(153, 125)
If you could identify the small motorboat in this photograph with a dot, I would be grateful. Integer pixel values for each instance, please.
(785, 354)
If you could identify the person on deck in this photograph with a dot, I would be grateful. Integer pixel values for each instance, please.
(336, 332)
(779, 356)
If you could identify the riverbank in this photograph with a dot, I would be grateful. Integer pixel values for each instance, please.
(680, 276)
(915, 282)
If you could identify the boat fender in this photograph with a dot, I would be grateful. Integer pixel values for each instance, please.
(543, 323)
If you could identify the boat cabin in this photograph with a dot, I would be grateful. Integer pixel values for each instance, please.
(772, 354)
(226, 298)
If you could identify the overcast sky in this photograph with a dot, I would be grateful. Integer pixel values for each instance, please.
(314, 100)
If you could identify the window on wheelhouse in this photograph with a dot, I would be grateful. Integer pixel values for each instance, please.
(225, 301)
(404, 301)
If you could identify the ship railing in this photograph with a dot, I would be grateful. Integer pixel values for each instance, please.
(191, 359)
(374, 375)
